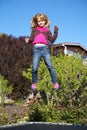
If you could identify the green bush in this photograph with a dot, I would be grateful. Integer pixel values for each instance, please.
(75, 116)
(69, 103)
(4, 89)
(3, 119)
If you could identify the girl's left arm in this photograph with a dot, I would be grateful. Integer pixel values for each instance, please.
(53, 37)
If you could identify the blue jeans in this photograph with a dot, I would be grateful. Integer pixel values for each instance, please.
(38, 53)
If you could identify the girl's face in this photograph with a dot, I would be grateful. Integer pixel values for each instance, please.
(40, 22)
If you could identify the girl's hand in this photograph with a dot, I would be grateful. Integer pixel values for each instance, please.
(26, 39)
(56, 28)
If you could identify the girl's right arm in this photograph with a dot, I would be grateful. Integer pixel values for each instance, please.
(30, 39)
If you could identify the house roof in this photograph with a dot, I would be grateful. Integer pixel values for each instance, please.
(71, 44)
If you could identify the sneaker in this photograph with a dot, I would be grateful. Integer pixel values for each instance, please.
(56, 86)
(33, 87)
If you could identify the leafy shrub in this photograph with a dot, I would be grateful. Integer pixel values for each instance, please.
(3, 119)
(15, 56)
(4, 89)
(69, 103)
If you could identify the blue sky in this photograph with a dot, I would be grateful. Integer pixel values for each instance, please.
(69, 15)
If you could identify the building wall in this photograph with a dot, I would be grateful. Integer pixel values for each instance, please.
(56, 50)
(77, 49)
(68, 50)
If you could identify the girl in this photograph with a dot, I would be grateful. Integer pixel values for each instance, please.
(40, 38)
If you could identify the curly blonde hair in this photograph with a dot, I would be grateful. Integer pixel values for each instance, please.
(34, 21)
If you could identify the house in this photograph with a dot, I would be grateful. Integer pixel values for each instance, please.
(69, 48)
